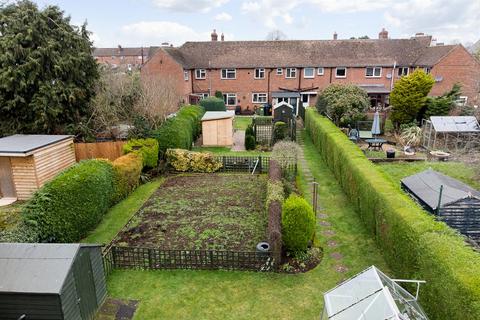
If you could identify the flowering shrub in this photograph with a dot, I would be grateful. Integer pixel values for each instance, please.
(184, 160)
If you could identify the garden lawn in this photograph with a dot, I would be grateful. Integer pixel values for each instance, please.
(183, 294)
(119, 214)
(202, 212)
(457, 170)
(242, 122)
(10, 215)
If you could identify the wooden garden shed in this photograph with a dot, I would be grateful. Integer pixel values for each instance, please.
(452, 201)
(51, 281)
(217, 128)
(28, 161)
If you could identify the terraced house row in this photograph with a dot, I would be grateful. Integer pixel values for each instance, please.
(250, 73)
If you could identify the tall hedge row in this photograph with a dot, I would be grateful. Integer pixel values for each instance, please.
(73, 203)
(180, 131)
(413, 243)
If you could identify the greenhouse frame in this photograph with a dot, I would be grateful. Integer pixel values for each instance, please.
(452, 134)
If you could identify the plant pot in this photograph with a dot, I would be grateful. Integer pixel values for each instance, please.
(390, 153)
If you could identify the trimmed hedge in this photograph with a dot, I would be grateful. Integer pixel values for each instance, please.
(73, 203)
(127, 170)
(213, 104)
(413, 243)
(298, 223)
(184, 160)
(180, 131)
(146, 148)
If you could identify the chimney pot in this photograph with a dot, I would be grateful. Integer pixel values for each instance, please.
(222, 37)
(383, 34)
(335, 35)
(214, 35)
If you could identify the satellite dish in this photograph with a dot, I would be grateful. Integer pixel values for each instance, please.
(389, 75)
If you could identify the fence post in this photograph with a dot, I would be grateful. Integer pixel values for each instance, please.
(260, 164)
(224, 161)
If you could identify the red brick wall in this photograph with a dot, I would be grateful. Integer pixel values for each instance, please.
(458, 66)
(163, 65)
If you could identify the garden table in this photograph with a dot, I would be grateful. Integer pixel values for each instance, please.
(375, 144)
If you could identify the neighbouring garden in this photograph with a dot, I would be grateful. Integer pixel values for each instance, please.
(204, 211)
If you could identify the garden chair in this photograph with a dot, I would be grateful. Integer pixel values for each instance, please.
(353, 135)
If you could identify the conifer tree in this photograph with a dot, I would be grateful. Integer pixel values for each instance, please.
(47, 71)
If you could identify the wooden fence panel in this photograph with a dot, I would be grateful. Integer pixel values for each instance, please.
(107, 150)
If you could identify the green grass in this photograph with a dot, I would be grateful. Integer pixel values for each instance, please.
(10, 215)
(225, 151)
(247, 295)
(242, 122)
(119, 214)
(457, 170)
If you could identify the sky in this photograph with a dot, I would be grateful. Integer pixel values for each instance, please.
(151, 22)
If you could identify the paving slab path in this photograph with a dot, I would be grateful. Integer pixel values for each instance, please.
(238, 140)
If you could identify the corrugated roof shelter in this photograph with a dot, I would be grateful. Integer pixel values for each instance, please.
(51, 281)
(217, 128)
(28, 161)
(457, 204)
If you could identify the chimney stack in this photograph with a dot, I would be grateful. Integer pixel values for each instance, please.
(214, 35)
(383, 34)
(335, 35)
(222, 37)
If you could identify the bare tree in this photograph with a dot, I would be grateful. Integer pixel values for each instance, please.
(276, 35)
(158, 98)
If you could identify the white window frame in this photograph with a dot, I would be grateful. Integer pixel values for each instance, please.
(320, 71)
(259, 73)
(461, 101)
(200, 74)
(227, 72)
(400, 72)
(226, 96)
(256, 96)
(427, 70)
(288, 73)
(336, 72)
(185, 75)
(205, 95)
(309, 77)
(279, 71)
(373, 75)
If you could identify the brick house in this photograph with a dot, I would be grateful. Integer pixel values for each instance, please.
(250, 73)
(123, 58)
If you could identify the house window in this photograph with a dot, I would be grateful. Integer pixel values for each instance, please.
(204, 95)
(402, 71)
(259, 73)
(340, 72)
(122, 57)
(113, 57)
(230, 99)
(373, 72)
(139, 57)
(320, 71)
(229, 73)
(308, 72)
(427, 70)
(279, 71)
(185, 75)
(200, 73)
(259, 97)
(461, 101)
(291, 73)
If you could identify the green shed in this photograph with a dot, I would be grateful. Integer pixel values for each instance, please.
(50, 281)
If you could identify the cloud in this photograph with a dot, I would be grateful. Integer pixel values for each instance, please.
(189, 5)
(223, 17)
(156, 32)
(448, 20)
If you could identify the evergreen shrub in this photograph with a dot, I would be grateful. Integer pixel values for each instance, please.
(298, 223)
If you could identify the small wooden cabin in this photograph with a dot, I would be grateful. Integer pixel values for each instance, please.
(450, 200)
(28, 161)
(217, 128)
(51, 281)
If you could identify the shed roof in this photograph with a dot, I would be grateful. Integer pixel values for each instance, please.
(35, 267)
(455, 124)
(24, 144)
(426, 187)
(217, 115)
(374, 89)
